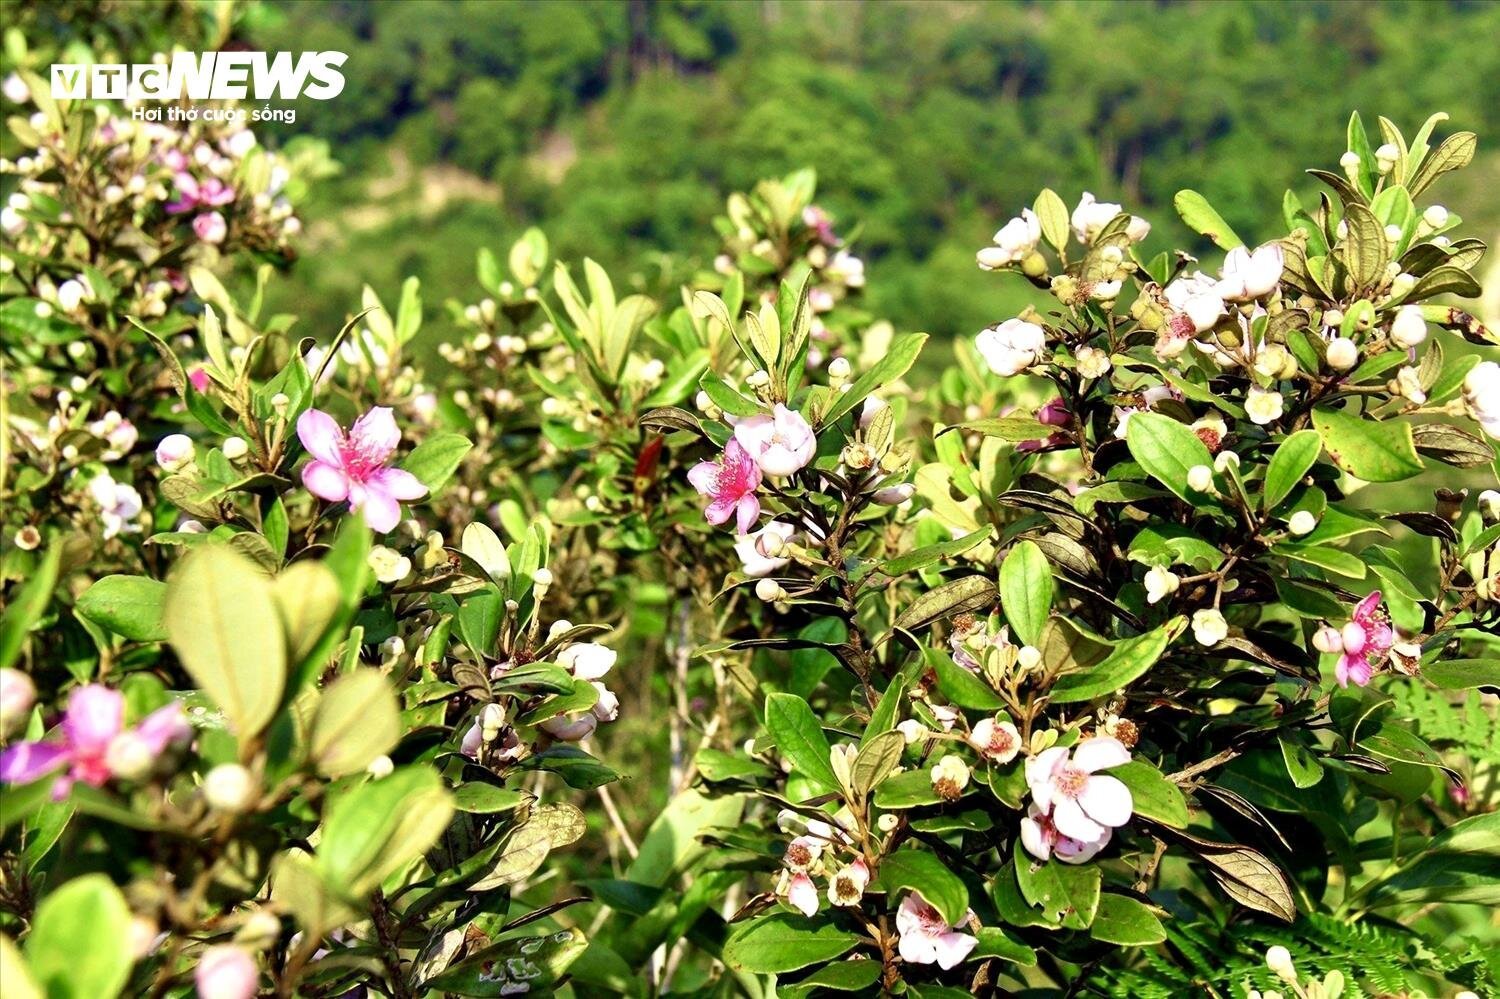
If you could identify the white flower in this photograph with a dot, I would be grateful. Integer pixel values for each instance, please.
(894, 495)
(912, 731)
(1408, 328)
(847, 886)
(1271, 359)
(1092, 362)
(1015, 240)
(1012, 347)
(1200, 478)
(1091, 216)
(15, 89)
(1067, 785)
(1482, 396)
(802, 894)
(1489, 504)
(1343, 353)
(850, 267)
(1249, 275)
(760, 553)
(1302, 522)
(1209, 627)
(389, 565)
(1161, 582)
(1409, 385)
(1263, 405)
(119, 504)
(950, 776)
(587, 660)
(1197, 297)
(607, 707)
(567, 728)
(926, 937)
(996, 740)
(1105, 291)
(70, 295)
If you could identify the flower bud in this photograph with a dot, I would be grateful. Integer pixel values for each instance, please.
(1343, 353)
(1278, 958)
(1435, 216)
(17, 695)
(1224, 461)
(259, 930)
(1489, 504)
(129, 756)
(1408, 329)
(226, 971)
(895, 495)
(1200, 478)
(1034, 265)
(1160, 582)
(1328, 639)
(1386, 157)
(769, 590)
(1028, 657)
(389, 565)
(235, 448)
(381, 766)
(542, 579)
(1209, 627)
(1302, 522)
(839, 369)
(1350, 162)
(228, 787)
(887, 822)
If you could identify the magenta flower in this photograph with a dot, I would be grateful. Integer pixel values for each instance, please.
(1084, 805)
(212, 193)
(926, 937)
(95, 718)
(1053, 414)
(731, 482)
(353, 466)
(1364, 642)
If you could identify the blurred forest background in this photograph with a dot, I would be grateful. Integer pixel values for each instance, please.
(619, 127)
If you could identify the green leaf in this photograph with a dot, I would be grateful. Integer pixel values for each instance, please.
(28, 604)
(909, 789)
(1130, 659)
(800, 738)
(1462, 674)
(1007, 428)
(1376, 451)
(308, 597)
(924, 873)
(1068, 894)
(378, 827)
(1331, 559)
(1052, 214)
(876, 760)
(969, 593)
(784, 942)
(127, 605)
(1245, 875)
(221, 619)
(1201, 217)
(487, 799)
(1293, 457)
(961, 686)
(1167, 450)
(883, 718)
(516, 965)
(435, 460)
(1478, 834)
(897, 360)
(1026, 589)
(79, 945)
(921, 558)
(1153, 795)
(357, 719)
(852, 975)
(1301, 766)
(1123, 920)
(1365, 248)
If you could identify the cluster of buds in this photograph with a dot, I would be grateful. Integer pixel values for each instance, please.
(825, 852)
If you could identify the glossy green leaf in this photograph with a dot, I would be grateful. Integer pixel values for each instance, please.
(921, 871)
(784, 942)
(1373, 450)
(1026, 590)
(127, 605)
(1129, 660)
(1167, 449)
(1292, 460)
(800, 738)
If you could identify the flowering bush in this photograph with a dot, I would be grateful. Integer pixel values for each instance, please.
(1106, 660)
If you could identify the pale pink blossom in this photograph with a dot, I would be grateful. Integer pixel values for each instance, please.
(94, 718)
(1042, 840)
(995, 740)
(758, 551)
(226, 971)
(730, 483)
(211, 193)
(1248, 275)
(802, 894)
(354, 466)
(781, 443)
(210, 227)
(1082, 802)
(847, 886)
(1012, 347)
(587, 660)
(926, 937)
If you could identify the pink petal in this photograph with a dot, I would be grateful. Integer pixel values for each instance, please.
(1039, 769)
(399, 483)
(704, 477)
(720, 510)
(1367, 606)
(1106, 800)
(1341, 670)
(952, 948)
(325, 481)
(1069, 818)
(376, 433)
(1100, 753)
(95, 715)
(26, 761)
(381, 510)
(321, 436)
(163, 727)
(803, 895)
(917, 948)
(748, 509)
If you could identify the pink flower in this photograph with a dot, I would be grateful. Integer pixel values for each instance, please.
(1365, 641)
(210, 227)
(996, 740)
(95, 718)
(731, 482)
(199, 379)
(1042, 840)
(226, 972)
(926, 937)
(781, 443)
(1083, 804)
(1054, 414)
(802, 894)
(212, 193)
(353, 467)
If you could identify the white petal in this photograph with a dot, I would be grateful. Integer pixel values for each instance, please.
(1106, 800)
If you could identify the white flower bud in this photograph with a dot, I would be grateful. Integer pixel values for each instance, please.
(235, 448)
(1209, 627)
(17, 695)
(1160, 583)
(1279, 959)
(1302, 522)
(228, 787)
(1349, 161)
(839, 368)
(769, 590)
(1328, 639)
(1435, 216)
(1489, 504)
(542, 579)
(1200, 478)
(1343, 353)
(1408, 329)
(380, 766)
